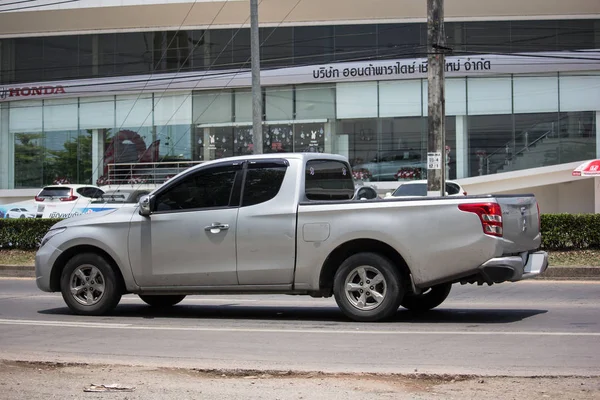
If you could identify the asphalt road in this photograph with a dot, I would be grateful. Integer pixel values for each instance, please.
(528, 328)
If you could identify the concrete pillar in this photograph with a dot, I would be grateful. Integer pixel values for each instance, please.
(597, 195)
(95, 54)
(342, 145)
(7, 151)
(597, 134)
(208, 154)
(462, 147)
(206, 49)
(330, 136)
(97, 155)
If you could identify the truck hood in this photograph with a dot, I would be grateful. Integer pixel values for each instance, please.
(101, 217)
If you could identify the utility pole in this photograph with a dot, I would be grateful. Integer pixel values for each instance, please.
(257, 137)
(436, 142)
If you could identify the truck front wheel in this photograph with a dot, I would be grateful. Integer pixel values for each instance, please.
(367, 287)
(427, 300)
(89, 285)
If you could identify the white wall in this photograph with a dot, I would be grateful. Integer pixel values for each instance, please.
(576, 197)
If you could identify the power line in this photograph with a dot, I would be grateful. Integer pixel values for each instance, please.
(296, 43)
(207, 75)
(38, 6)
(219, 94)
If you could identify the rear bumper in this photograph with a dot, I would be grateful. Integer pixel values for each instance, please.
(514, 268)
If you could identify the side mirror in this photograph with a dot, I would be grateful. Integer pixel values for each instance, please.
(145, 206)
(388, 194)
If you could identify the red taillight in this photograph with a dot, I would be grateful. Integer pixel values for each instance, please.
(71, 197)
(490, 215)
(38, 198)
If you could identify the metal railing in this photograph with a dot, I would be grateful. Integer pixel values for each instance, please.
(150, 173)
(506, 154)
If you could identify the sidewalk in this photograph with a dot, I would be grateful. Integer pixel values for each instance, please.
(552, 273)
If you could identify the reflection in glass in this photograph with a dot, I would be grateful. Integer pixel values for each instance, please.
(29, 160)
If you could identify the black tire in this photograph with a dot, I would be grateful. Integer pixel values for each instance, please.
(392, 291)
(427, 300)
(162, 300)
(104, 276)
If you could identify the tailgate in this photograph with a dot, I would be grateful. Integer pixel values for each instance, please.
(520, 223)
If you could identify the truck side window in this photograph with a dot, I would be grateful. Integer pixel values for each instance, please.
(328, 180)
(263, 181)
(207, 188)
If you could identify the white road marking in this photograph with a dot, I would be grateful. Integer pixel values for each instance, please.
(69, 324)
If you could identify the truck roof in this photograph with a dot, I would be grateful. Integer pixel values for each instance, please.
(269, 156)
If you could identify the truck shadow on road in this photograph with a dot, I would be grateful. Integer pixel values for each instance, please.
(236, 311)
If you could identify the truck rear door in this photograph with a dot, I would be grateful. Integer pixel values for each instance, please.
(266, 226)
(520, 222)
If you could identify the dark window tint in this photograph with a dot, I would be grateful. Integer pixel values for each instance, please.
(29, 60)
(420, 189)
(328, 180)
(412, 189)
(241, 49)
(55, 192)
(133, 53)
(204, 189)
(90, 192)
(277, 46)
(452, 188)
(263, 181)
(355, 42)
(366, 193)
(60, 57)
(313, 44)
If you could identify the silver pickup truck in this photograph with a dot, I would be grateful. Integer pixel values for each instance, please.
(289, 224)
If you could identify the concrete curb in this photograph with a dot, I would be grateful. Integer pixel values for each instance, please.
(552, 273)
(17, 271)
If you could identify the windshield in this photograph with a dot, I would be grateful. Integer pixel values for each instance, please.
(411, 189)
(116, 196)
(57, 191)
(420, 189)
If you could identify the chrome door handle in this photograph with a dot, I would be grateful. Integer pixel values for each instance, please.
(216, 227)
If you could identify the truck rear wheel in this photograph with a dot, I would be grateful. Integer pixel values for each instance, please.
(367, 287)
(427, 300)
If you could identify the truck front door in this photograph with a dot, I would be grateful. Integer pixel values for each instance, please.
(189, 239)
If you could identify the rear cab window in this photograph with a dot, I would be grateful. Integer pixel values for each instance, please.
(328, 180)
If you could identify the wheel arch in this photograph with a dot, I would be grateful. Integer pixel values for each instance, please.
(71, 252)
(349, 248)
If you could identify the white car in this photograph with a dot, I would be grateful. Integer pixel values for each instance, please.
(19, 212)
(66, 196)
(117, 196)
(419, 188)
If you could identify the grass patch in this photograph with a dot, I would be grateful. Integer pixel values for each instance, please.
(575, 258)
(17, 257)
(572, 258)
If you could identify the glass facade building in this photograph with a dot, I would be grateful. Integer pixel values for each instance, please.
(494, 123)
